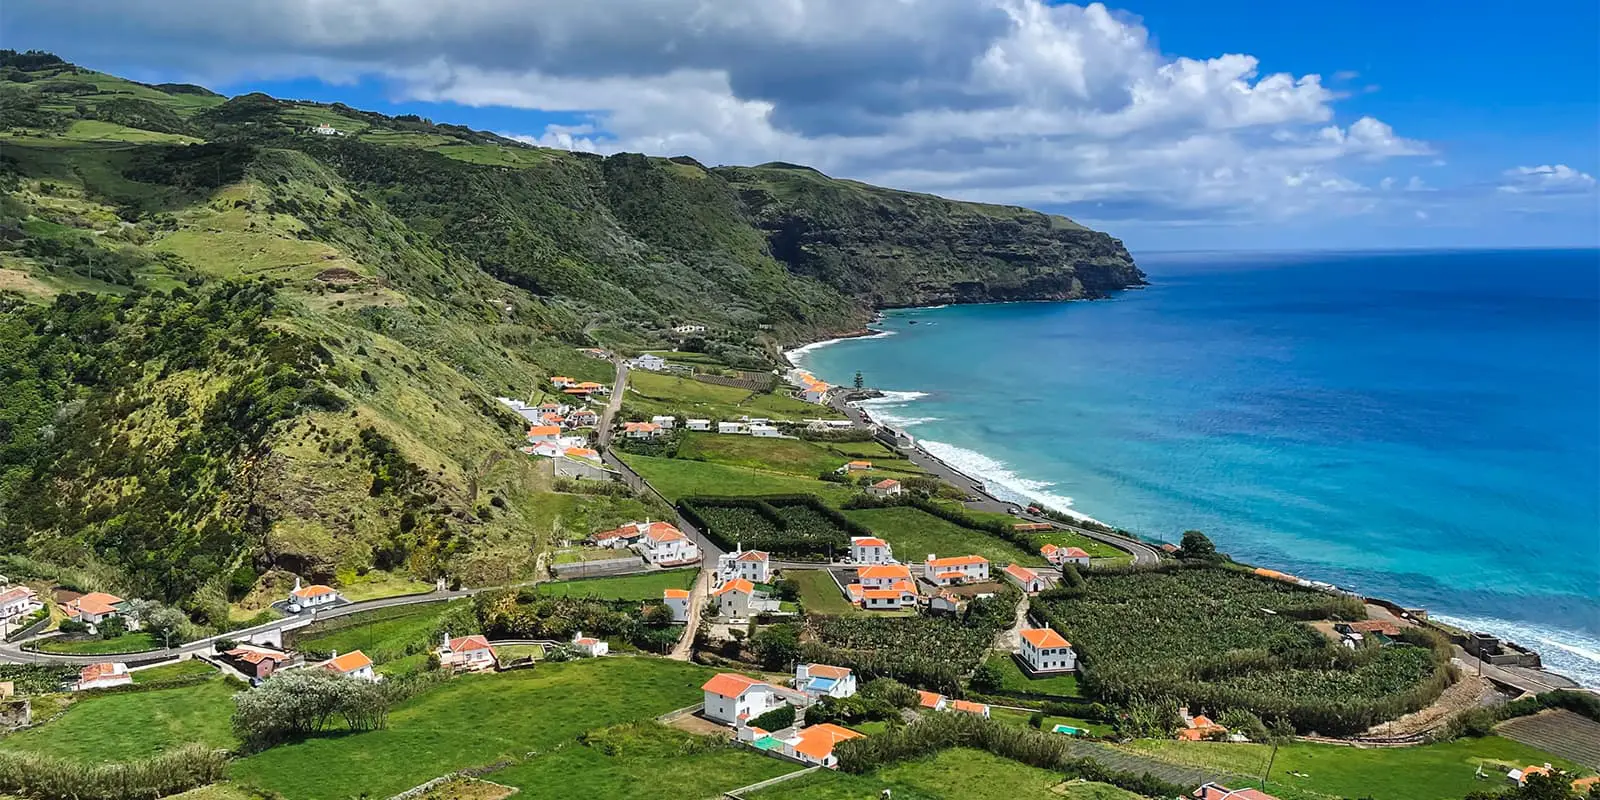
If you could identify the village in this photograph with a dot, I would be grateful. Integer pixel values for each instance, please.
(817, 586)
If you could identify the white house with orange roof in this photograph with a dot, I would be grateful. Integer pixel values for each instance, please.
(544, 434)
(641, 430)
(855, 466)
(92, 608)
(882, 576)
(17, 601)
(732, 699)
(1029, 581)
(582, 418)
(552, 407)
(968, 707)
(752, 565)
(888, 487)
(814, 744)
(622, 537)
(1044, 650)
(465, 653)
(822, 680)
(933, 701)
(897, 596)
(955, 569)
(102, 676)
(313, 597)
(1216, 791)
(589, 646)
(1058, 555)
(870, 550)
(353, 664)
(563, 382)
(676, 601)
(666, 546)
(734, 599)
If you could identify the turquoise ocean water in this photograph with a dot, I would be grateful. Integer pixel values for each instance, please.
(1423, 426)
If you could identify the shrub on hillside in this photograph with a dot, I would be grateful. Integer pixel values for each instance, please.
(173, 772)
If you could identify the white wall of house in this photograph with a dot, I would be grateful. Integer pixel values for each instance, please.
(679, 606)
(752, 703)
(1049, 659)
(871, 554)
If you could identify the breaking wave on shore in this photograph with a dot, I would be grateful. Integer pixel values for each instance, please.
(798, 355)
(1570, 653)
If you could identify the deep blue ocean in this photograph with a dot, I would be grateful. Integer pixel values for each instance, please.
(1423, 426)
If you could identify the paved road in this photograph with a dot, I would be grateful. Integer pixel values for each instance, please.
(12, 653)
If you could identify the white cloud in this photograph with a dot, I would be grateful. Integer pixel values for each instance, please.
(1001, 100)
(1546, 179)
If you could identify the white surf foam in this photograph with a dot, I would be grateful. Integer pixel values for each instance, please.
(1570, 653)
(1000, 480)
(798, 355)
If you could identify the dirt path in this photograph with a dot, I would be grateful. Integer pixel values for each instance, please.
(1010, 639)
(697, 596)
(1468, 693)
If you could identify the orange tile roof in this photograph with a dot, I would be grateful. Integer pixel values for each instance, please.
(94, 603)
(675, 594)
(349, 662)
(97, 671)
(15, 593)
(885, 594)
(1021, 573)
(1382, 626)
(1076, 552)
(891, 571)
(827, 671)
(865, 464)
(544, 430)
(728, 684)
(753, 555)
(817, 741)
(1045, 637)
(588, 385)
(956, 561)
(885, 483)
(1047, 549)
(582, 452)
(561, 379)
(314, 590)
(968, 706)
(662, 532)
(641, 426)
(550, 417)
(461, 643)
(867, 541)
(735, 585)
(950, 575)
(252, 656)
(928, 699)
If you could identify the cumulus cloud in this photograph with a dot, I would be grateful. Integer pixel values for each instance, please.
(1546, 179)
(1000, 100)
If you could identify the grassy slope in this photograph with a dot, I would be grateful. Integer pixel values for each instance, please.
(386, 637)
(127, 643)
(677, 478)
(959, 774)
(476, 720)
(818, 594)
(647, 586)
(167, 672)
(914, 533)
(650, 394)
(130, 725)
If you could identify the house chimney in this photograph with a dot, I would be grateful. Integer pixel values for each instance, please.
(447, 640)
(931, 556)
(801, 673)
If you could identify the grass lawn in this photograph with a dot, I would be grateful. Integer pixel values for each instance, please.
(167, 672)
(958, 774)
(1095, 549)
(677, 479)
(669, 394)
(1429, 772)
(619, 762)
(789, 456)
(644, 586)
(126, 643)
(1017, 681)
(124, 726)
(476, 720)
(384, 634)
(819, 594)
(913, 533)
(516, 652)
(376, 584)
(578, 555)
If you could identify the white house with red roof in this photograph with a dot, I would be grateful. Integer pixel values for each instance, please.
(666, 546)
(623, 536)
(870, 550)
(676, 601)
(814, 744)
(888, 487)
(735, 599)
(353, 664)
(733, 699)
(314, 596)
(883, 587)
(1216, 791)
(1044, 650)
(92, 608)
(257, 662)
(1029, 581)
(589, 646)
(823, 680)
(102, 676)
(466, 653)
(752, 565)
(882, 576)
(968, 707)
(955, 569)
(543, 434)
(17, 601)
(641, 430)
(582, 418)
(1058, 555)
(932, 701)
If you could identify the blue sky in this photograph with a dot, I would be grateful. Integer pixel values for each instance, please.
(1174, 125)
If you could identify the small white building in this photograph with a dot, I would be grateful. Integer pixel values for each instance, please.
(664, 421)
(588, 646)
(582, 418)
(734, 599)
(814, 744)
(544, 434)
(898, 597)
(353, 664)
(465, 653)
(324, 129)
(733, 427)
(650, 361)
(641, 430)
(689, 328)
(102, 676)
(956, 569)
(1058, 555)
(752, 565)
(666, 546)
(17, 601)
(733, 699)
(552, 407)
(1029, 581)
(677, 601)
(822, 680)
(563, 382)
(761, 431)
(697, 424)
(629, 534)
(1044, 650)
(888, 487)
(870, 550)
(92, 608)
(313, 596)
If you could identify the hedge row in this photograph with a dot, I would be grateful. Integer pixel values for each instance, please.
(39, 775)
(768, 508)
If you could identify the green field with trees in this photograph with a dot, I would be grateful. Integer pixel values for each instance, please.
(127, 725)
(791, 527)
(644, 586)
(913, 533)
(921, 651)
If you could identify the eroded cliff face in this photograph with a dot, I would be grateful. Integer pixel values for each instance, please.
(890, 248)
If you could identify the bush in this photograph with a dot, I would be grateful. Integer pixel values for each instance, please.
(38, 775)
(891, 691)
(777, 646)
(1244, 723)
(776, 719)
(927, 652)
(305, 702)
(73, 626)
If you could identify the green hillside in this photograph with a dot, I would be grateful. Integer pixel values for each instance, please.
(232, 347)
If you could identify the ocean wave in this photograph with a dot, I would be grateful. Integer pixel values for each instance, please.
(1000, 480)
(1570, 653)
(885, 409)
(798, 355)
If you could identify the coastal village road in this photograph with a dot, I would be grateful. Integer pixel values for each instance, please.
(697, 597)
(614, 404)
